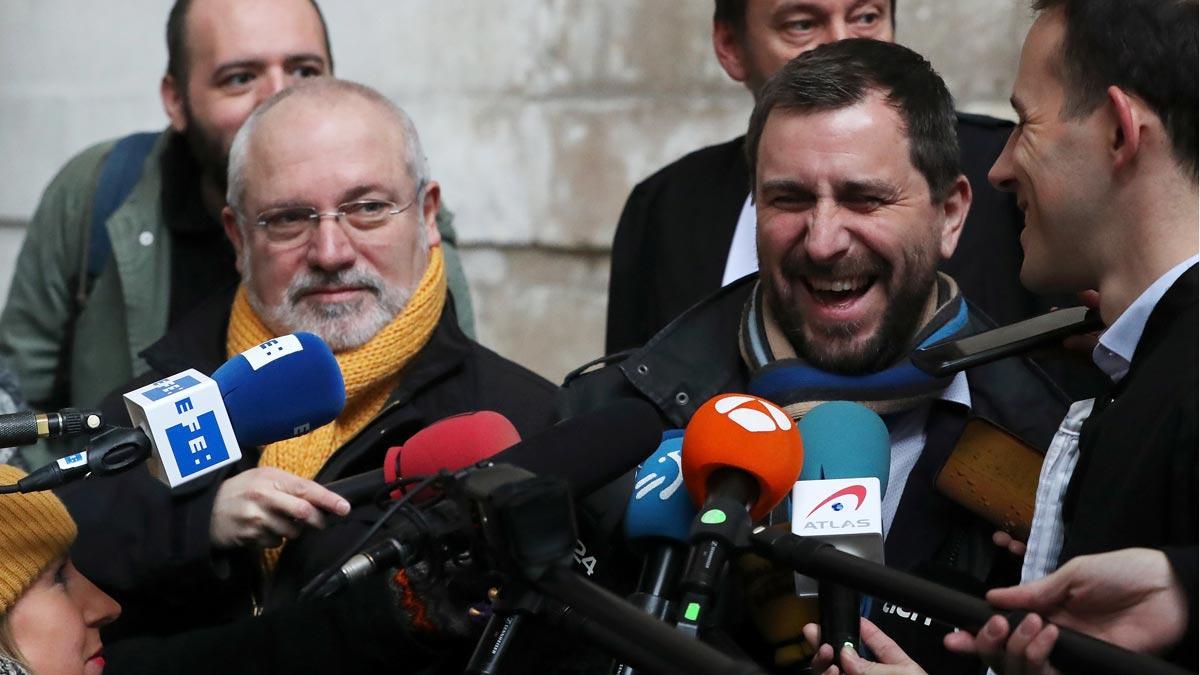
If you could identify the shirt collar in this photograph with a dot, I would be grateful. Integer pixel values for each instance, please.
(1114, 352)
(958, 391)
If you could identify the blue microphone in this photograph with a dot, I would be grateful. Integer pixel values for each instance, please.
(191, 425)
(845, 440)
(847, 460)
(282, 388)
(658, 521)
(273, 391)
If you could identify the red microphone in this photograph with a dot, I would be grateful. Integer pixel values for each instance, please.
(741, 456)
(455, 442)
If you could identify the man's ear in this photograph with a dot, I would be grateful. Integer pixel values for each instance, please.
(234, 232)
(953, 214)
(1127, 116)
(433, 202)
(173, 102)
(727, 43)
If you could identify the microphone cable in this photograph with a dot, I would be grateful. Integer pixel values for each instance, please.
(421, 483)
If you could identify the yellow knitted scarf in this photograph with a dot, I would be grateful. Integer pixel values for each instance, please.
(370, 372)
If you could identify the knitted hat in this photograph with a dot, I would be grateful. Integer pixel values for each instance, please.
(35, 530)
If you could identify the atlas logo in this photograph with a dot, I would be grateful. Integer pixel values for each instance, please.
(859, 492)
(651, 481)
(753, 414)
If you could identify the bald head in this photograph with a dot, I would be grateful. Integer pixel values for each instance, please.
(316, 107)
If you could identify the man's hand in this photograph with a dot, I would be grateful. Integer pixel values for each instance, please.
(1130, 598)
(892, 659)
(262, 506)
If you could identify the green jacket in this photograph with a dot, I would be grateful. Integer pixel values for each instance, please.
(127, 307)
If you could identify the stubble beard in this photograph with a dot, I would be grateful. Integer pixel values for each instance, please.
(838, 348)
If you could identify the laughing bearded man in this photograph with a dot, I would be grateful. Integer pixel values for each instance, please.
(853, 160)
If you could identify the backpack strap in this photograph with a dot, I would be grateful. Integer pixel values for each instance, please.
(120, 172)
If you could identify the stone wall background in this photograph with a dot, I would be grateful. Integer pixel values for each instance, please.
(538, 117)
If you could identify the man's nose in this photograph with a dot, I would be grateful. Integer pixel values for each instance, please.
(838, 30)
(826, 238)
(1001, 174)
(275, 80)
(330, 248)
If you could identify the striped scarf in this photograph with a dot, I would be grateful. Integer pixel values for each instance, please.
(370, 372)
(778, 375)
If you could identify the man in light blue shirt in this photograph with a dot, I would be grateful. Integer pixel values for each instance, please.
(1104, 165)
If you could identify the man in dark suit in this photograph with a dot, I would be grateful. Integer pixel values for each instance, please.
(1104, 165)
(689, 229)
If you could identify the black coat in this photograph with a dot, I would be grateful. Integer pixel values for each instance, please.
(1136, 481)
(149, 547)
(359, 631)
(697, 357)
(673, 239)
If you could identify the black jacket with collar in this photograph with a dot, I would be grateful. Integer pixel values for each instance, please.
(673, 238)
(149, 547)
(697, 357)
(1136, 481)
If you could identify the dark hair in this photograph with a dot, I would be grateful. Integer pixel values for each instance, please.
(733, 12)
(177, 62)
(1146, 47)
(840, 74)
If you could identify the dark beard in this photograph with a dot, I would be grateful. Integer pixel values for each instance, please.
(892, 340)
(207, 151)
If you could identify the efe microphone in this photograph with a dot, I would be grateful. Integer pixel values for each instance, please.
(282, 388)
(193, 424)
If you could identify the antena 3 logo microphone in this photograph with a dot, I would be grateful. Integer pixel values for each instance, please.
(748, 434)
(753, 414)
(185, 417)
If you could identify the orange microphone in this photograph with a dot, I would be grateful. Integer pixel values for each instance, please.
(741, 456)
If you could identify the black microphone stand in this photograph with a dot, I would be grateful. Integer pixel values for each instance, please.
(528, 526)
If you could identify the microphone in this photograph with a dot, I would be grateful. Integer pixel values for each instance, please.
(27, 427)
(657, 521)
(838, 500)
(277, 390)
(452, 443)
(741, 455)
(192, 425)
(1073, 651)
(587, 451)
(605, 444)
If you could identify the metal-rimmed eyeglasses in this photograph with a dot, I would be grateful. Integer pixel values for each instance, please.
(295, 224)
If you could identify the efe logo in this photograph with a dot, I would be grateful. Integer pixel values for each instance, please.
(753, 414)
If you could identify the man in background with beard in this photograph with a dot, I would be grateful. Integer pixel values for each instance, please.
(127, 239)
(853, 162)
(332, 213)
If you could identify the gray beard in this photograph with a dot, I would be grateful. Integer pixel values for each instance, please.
(342, 325)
